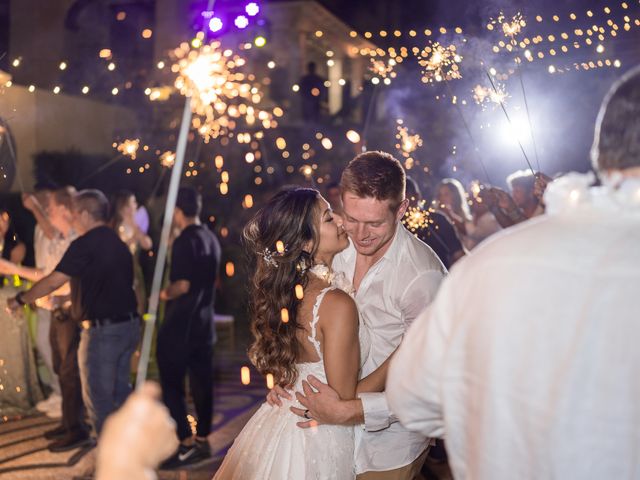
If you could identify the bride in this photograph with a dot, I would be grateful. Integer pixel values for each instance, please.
(305, 322)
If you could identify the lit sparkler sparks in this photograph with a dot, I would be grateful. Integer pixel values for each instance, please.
(439, 63)
(483, 95)
(513, 28)
(407, 143)
(416, 218)
(221, 95)
(167, 159)
(129, 148)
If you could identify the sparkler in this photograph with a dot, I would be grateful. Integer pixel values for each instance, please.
(220, 92)
(439, 63)
(512, 28)
(156, 284)
(416, 218)
(167, 159)
(129, 148)
(407, 144)
(483, 95)
(511, 125)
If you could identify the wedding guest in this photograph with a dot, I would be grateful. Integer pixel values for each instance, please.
(483, 223)
(432, 227)
(528, 358)
(11, 247)
(451, 200)
(44, 233)
(185, 339)
(526, 202)
(54, 235)
(522, 185)
(124, 212)
(100, 268)
(334, 197)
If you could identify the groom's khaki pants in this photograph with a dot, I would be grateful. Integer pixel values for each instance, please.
(408, 472)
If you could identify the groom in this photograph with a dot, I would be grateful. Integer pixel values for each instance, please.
(395, 276)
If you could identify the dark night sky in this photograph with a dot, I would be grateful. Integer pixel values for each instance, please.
(385, 14)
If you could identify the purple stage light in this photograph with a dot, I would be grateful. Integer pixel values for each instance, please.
(215, 24)
(252, 9)
(241, 21)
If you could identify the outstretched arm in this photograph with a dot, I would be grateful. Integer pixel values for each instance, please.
(48, 284)
(32, 204)
(29, 273)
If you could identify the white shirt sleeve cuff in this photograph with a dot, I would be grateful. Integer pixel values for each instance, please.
(376, 411)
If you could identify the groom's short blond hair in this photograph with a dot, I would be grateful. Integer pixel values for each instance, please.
(377, 175)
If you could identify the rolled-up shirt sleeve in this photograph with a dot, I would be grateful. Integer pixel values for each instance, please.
(377, 415)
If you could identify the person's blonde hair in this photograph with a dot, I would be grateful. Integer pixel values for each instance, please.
(377, 175)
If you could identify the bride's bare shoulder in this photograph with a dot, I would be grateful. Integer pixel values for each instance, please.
(337, 306)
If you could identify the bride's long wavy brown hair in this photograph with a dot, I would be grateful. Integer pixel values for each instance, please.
(290, 217)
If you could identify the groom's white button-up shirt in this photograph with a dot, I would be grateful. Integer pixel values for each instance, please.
(391, 295)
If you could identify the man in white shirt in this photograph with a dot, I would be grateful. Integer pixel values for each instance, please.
(528, 362)
(395, 276)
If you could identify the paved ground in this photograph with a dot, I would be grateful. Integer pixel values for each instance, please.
(23, 453)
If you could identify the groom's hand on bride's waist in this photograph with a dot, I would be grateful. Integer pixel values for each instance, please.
(322, 405)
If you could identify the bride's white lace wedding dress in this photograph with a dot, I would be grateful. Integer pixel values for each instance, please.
(272, 447)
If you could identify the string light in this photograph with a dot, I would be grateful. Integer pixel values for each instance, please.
(229, 269)
(245, 375)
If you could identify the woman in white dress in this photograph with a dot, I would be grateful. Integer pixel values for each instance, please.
(304, 322)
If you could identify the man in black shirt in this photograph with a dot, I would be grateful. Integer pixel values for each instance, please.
(186, 337)
(100, 268)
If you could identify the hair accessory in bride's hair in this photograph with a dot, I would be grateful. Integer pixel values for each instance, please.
(268, 256)
(304, 263)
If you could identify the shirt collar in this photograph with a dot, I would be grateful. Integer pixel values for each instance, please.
(396, 244)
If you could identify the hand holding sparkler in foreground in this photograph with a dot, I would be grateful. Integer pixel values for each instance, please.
(136, 438)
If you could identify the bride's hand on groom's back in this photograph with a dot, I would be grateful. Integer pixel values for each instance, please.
(275, 394)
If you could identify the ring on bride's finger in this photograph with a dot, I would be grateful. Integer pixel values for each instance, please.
(306, 414)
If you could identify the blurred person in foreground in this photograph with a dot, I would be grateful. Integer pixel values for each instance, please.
(527, 360)
(136, 438)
